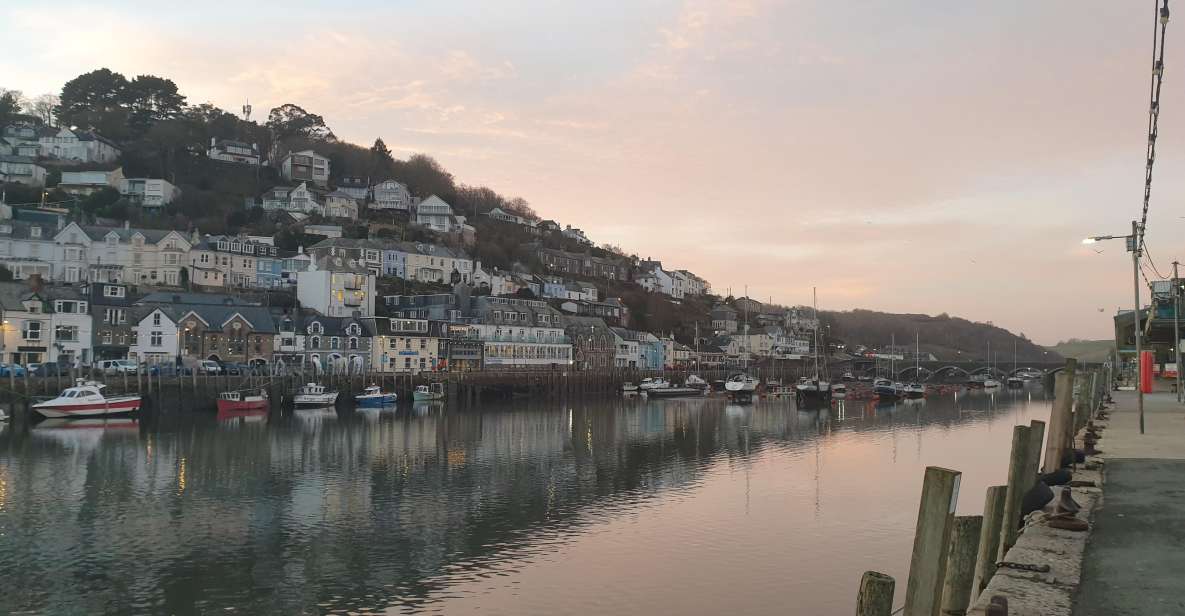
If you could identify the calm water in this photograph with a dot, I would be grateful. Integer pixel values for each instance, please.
(621, 506)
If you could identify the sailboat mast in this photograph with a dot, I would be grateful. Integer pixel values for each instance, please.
(815, 307)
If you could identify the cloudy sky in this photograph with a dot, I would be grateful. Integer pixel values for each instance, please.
(911, 155)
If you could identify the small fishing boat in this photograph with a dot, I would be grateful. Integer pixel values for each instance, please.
(242, 400)
(431, 391)
(86, 399)
(374, 396)
(629, 388)
(991, 383)
(914, 390)
(653, 383)
(886, 389)
(741, 383)
(847, 377)
(812, 392)
(313, 394)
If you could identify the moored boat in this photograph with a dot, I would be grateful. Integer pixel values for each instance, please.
(991, 383)
(85, 399)
(670, 391)
(886, 389)
(839, 390)
(653, 383)
(249, 400)
(740, 383)
(812, 392)
(629, 388)
(313, 394)
(696, 382)
(914, 390)
(374, 396)
(431, 391)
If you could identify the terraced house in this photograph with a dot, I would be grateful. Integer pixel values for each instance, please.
(518, 332)
(337, 344)
(122, 254)
(409, 345)
(226, 333)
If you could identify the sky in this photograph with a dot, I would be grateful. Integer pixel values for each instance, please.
(907, 156)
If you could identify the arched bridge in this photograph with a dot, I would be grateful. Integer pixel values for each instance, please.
(956, 372)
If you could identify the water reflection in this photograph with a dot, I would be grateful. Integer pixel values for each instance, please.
(623, 506)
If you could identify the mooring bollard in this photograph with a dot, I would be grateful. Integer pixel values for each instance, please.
(1060, 419)
(931, 540)
(1016, 479)
(960, 564)
(876, 594)
(989, 538)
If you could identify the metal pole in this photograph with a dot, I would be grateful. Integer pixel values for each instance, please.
(1176, 327)
(1136, 285)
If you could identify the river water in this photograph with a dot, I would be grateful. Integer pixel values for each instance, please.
(618, 506)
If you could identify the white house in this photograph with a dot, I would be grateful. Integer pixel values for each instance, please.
(340, 204)
(87, 182)
(432, 263)
(358, 188)
(121, 254)
(307, 166)
(336, 287)
(28, 248)
(390, 195)
(573, 233)
(21, 170)
(519, 332)
(149, 193)
(230, 151)
(78, 145)
(298, 198)
(155, 338)
(44, 324)
(437, 215)
(628, 353)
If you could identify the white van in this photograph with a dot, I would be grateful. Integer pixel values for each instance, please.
(117, 366)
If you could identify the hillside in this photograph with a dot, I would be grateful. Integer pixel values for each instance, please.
(944, 336)
(1085, 350)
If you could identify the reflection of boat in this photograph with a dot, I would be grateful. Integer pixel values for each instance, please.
(315, 415)
(84, 434)
(990, 383)
(314, 395)
(86, 399)
(1015, 382)
(431, 391)
(839, 390)
(886, 389)
(242, 400)
(374, 396)
(242, 415)
(425, 407)
(735, 410)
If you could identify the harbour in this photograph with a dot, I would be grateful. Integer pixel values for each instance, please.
(435, 507)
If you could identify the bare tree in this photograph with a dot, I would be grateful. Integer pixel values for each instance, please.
(43, 107)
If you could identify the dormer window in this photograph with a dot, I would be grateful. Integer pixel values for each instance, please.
(316, 328)
(112, 240)
(35, 232)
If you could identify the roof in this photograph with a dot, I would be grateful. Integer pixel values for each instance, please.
(629, 334)
(353, 183)
(259, 317)
(13, 158)
(580, 321)
(234, 143)
(12, 294)
(335, 326)
(164, 297)
(341, 194)
(435, 201)
(125, 235)
(21, 230)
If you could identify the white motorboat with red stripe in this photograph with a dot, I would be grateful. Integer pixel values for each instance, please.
(86, 399)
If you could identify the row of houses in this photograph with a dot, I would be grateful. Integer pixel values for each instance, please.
(538, 227)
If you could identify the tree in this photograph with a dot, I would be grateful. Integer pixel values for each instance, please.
(10, 106)
(43, 107)
(424, 177)
(94, 100)
(519, 206)
(5, 274)
(151, 99)
(381, 161)
(290, 121)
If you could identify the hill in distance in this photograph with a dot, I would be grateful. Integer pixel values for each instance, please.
(1085, 350)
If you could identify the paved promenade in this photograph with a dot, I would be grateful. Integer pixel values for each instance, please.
(1135, 557)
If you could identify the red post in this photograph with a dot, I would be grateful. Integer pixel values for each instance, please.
(1146, 366)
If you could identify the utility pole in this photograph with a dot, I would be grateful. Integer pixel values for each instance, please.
(1135, 250)
(1177, 326)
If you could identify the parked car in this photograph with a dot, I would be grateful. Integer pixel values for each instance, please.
(209, 366)
(49, 368)
(118, 366)
(237, 369)
(12, 370)
(169, 369)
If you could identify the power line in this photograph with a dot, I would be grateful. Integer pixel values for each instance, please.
(1160, 20)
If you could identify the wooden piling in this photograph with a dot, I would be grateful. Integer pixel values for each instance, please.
(927, 567)
(1060, 420)
(1033, 457)
(876, 594)
(1016, 480)
(960, 564)
(989, 538)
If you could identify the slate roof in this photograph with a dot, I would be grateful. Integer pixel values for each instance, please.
(98, 234)
(165, 297)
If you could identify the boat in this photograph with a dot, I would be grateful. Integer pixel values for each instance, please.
(914, 390)
(242, 400)
(741, 384)
(886, 389)
(85, 399)
(814, 391)
(313, 394)
(990, 383)
(653, 383)
(670, 391)
(847, 377)
(374, 396)
(1015, 381)
(629, 388)
(696, 382)
(431, 391)
(839, 390)
(3, 415)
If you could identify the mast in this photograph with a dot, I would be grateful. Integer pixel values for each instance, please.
(815, 306)
(917, 356)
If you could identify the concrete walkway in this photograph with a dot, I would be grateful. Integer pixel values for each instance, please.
(1136, 552)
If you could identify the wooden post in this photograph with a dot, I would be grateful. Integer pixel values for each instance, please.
(927, 567)
(960, 564)
(1016, 479)
(989, 539)
(1033, 457)
(876, 594)
(1060, 419)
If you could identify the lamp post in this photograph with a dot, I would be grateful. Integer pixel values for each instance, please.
(1134, 248)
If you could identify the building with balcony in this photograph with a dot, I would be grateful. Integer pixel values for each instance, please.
(148, 193)
(231, 151)
(337, 287)
(305, 166)
(520, 333)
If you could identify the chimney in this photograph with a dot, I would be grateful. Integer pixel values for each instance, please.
(35, 283)
(127, 224)
(213, 141)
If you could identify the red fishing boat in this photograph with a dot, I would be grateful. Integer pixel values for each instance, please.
(86, 399)
(251, 400)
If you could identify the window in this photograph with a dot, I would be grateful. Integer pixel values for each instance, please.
(316, 328)
(335, 342)
(156, 339)
(156, 319)
(105, 337)
(423, 343)
(31, 330)
(315, 342)
(353, 343)
(64, 333)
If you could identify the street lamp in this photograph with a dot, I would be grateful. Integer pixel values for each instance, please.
(1134, 248)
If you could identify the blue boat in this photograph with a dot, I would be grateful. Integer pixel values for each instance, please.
(374, 396)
